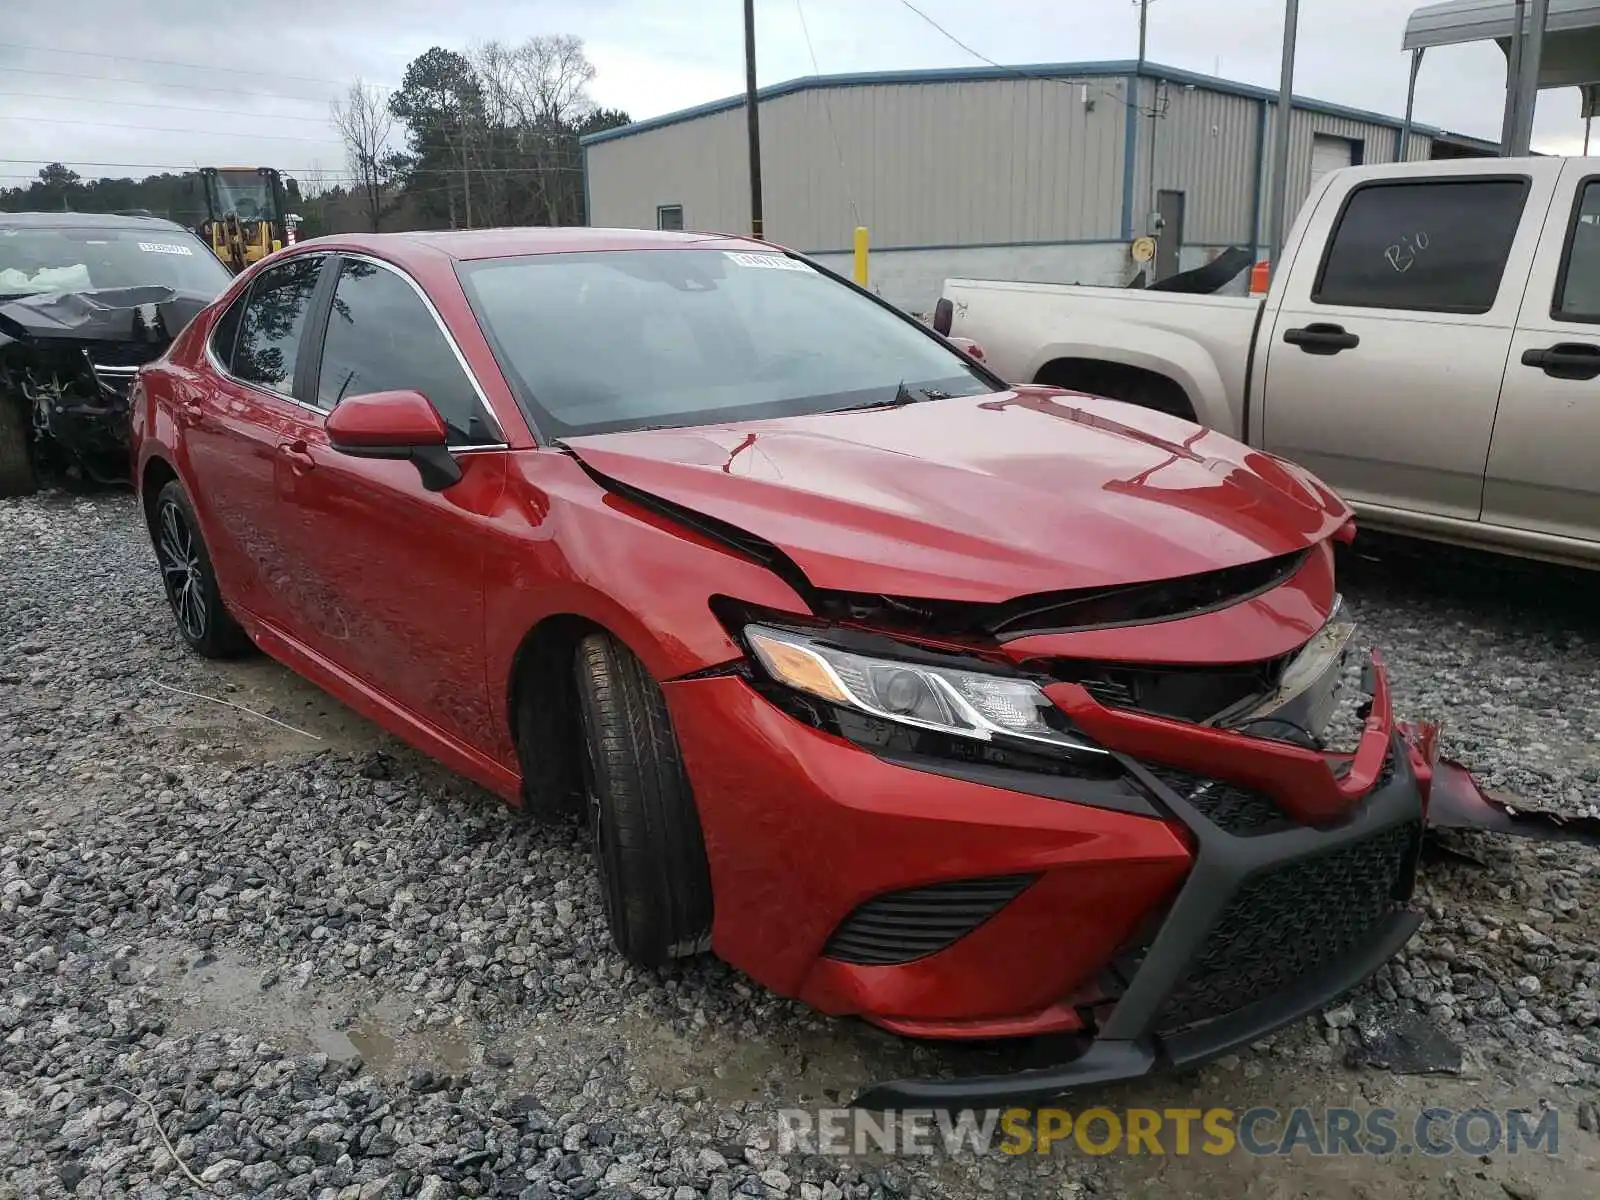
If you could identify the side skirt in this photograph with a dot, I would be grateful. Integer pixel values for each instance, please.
(378, 708)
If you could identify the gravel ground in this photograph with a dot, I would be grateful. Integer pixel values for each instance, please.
(247, 961)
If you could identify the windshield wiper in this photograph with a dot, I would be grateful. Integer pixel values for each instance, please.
(903, 396)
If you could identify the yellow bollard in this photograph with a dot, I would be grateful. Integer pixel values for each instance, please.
(861, 255)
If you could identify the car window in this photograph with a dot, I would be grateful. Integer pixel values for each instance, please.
(381, 338)
(1438, 246)
(226, 332)
(595, 342)
(275, 315)
(1578, 290)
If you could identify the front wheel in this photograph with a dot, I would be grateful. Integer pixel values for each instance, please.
(17, 475)
(648, 846)
(191, 584)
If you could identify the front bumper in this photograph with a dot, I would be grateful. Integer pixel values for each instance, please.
(802, 827)
(1134, 1039)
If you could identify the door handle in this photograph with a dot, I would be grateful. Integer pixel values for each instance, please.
(299, 460)
(1321, 338)
(1565, 360)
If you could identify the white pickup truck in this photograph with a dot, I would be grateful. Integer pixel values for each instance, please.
(1430, 347)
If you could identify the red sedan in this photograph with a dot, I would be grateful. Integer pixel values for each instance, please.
(976, 711)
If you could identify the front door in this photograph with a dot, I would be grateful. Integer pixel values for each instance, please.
(1542, 474)
(390, 575)
(1385, 360)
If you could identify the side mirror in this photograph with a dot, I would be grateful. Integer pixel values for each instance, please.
(398, 424)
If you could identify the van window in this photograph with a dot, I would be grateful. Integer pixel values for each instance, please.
(1431, 246)
(1578, 289)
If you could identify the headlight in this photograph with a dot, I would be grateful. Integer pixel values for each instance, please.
(969, 704)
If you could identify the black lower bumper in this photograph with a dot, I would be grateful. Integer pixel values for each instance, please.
(1114, 1061)
(1141, 1034)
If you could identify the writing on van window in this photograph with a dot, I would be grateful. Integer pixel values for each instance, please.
(1402, 255)
(1428, 245)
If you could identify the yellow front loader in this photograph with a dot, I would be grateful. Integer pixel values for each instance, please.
(244, 209)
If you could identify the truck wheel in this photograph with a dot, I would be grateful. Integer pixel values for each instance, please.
(17, 476)
(648, 847)
(204, 622)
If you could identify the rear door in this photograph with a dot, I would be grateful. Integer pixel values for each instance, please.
(1385, 359)
(389, 576)
(1542, 475)
(232, 428)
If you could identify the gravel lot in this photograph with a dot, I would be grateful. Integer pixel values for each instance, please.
(320, 966)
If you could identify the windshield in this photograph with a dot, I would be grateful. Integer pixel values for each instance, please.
(245, 194)
(602, 341)
(33, 261)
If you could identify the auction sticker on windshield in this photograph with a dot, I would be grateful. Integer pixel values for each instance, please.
(775, 262)
(164, 248)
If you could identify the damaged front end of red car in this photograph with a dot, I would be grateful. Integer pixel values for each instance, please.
(1105, 811)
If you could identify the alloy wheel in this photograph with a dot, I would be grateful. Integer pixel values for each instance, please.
(181, 570)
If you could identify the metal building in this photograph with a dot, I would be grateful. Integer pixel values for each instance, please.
(1037, 173)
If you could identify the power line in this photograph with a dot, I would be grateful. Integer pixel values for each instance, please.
(1130, 101)
(165, 62)
(280, 137)
(312, 170)
(827, 111)
(153, 83)
(221, 112)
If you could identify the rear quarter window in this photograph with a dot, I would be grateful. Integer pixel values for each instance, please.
(1429, 246)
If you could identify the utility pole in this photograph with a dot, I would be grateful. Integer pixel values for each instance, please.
(1144, 26)
(757, 230)
(1280, 160)
(1528, 76)
(1411, 104)
(1508, 121)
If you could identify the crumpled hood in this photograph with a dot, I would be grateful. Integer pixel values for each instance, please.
(150, 315)
(982, 499)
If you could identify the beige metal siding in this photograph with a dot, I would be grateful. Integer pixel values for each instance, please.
(934, 164)
(1378, 144)
(699, 164)
(972, 163)
(1204, 145)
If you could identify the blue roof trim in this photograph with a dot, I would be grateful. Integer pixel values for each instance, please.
(1040, 71)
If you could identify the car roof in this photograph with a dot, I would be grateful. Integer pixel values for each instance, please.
(468, 244)
(75, 220)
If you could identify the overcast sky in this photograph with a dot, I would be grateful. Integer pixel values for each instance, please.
(91, 82)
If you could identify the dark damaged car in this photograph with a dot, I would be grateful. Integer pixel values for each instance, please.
(976, 711)
(85, 301)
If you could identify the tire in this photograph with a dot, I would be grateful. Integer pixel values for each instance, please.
(17, 476)
(648, 846)
(203, 620)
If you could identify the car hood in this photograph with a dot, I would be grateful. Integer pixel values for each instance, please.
(150, 316)
(981, 499)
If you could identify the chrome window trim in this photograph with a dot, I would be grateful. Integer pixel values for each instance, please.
(461, 360)
(486, 408)
(244, 298)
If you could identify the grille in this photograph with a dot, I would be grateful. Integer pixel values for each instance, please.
(900, 927)
(1290, 921)
(1233, 809)
(1186, 693)
(1053, 612)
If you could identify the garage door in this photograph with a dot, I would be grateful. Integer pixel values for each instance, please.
(1329, 154)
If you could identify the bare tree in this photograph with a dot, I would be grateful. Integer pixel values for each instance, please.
(364, 123)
